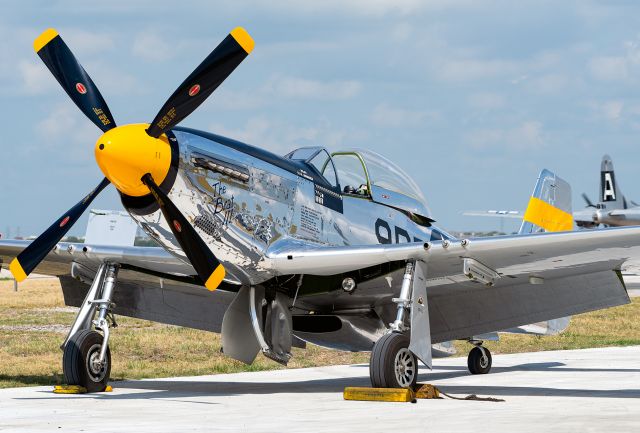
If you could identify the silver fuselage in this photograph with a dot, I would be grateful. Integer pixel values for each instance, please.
(248, 202)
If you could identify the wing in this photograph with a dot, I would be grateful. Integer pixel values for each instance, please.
(58, 262)
(533, 278)
(629, 213)
(152, 284)
(516, 214)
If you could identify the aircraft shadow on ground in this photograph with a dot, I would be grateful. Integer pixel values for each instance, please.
(172, 389)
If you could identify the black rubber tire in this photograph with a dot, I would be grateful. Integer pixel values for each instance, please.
(474, 361)
(383, 356)
(75, 361)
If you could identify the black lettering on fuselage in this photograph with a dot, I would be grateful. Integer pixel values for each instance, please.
(401, 232)
(382, 224)
(384, 234)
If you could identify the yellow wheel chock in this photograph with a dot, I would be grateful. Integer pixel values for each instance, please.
(75, 389)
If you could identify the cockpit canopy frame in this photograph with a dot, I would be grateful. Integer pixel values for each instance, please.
(368, 175)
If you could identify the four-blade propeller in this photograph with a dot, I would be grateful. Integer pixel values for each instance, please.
(121, 146)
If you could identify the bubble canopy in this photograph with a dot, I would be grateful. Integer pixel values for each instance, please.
(361, 172)
(386, 174)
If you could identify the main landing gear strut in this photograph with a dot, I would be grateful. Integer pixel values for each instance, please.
(392, 364)
(86, 359)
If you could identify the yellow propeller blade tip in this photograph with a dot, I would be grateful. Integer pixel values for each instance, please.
(44, 38)
(243, 38)
(215, 278)
(16, 269)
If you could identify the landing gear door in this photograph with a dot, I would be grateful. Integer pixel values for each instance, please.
(238, 338)
(420, 343)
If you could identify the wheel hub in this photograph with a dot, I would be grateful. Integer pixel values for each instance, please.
(95, 368)
(484, 361)
(405, 367)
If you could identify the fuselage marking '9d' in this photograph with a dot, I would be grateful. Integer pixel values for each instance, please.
(383, 233)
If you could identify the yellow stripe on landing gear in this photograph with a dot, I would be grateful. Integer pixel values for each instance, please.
(16, 270)
(75, 389)
(215, 278)
(378, 394)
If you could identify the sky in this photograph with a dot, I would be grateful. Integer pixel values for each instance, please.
(471, 98)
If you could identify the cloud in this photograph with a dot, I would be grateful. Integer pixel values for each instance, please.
(87, 43)
(302, 88)
(551, 83)
(612, 110)
(609, 68)
(386, 116)
(526, 136)
(365, 7)
(66, 129)
(112, 80)
(474, 69)
(622, 67)
(36, 78)
(486, 100)
(282, 137)
(152, 47)
(277, 88)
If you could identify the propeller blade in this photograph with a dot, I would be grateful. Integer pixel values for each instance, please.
(37, 250)
(203, 81)
(207, 266)
(586, 199)
(73, 78)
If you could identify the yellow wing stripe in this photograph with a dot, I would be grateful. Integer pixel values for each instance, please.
(44, 39)
(16, 269)
(548, 217)
(243, 38)
(215, 278)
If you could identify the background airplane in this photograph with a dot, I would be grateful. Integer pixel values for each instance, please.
(613, 209)
(336, 249)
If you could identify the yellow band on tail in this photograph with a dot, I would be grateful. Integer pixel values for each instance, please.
(548, 217)
(215, 278)
(16, 269)
(44, 38)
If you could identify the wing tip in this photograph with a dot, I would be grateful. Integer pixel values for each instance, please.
(17, 271)
(215, 278)
(243, 39)
(44, 38)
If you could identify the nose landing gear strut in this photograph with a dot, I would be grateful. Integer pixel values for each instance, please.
(86, 359)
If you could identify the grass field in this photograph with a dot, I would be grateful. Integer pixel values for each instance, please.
(34, 322)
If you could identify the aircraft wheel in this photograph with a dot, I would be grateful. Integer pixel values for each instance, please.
(80, 361)
(392, 364)
(478, 362)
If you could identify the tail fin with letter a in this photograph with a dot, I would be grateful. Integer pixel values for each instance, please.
(610, 194)
(549, 207)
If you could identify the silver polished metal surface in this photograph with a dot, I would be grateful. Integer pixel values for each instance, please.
(403, 301)
(87, 309)
(241, 219)
(104, 305)
(420, 328)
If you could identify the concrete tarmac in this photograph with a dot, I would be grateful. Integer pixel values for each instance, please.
(577, 390)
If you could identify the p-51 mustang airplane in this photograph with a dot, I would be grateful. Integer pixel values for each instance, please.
(335, 249)
(613, 209)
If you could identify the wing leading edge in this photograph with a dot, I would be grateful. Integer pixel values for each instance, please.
(561, 253)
